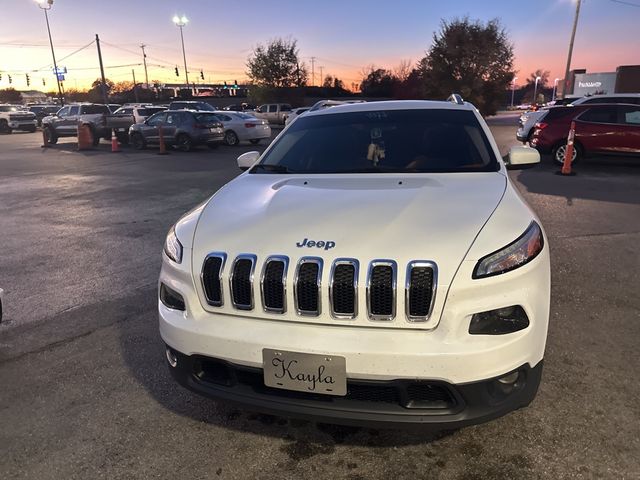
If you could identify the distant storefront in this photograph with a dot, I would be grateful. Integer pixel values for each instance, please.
(626, 79)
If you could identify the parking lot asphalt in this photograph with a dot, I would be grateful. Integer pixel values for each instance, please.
(85, 392)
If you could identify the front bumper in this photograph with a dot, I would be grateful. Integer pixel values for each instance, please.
(521, 135)
(388, 404)
(23, 124)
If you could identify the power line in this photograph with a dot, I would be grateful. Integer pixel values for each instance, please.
(626, 3)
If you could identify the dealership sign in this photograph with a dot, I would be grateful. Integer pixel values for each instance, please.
(594, 83)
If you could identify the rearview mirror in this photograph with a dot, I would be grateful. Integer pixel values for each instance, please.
(246, 160)
(522, 157)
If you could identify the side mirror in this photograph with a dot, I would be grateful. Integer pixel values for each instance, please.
(246, 160)
(522, 157)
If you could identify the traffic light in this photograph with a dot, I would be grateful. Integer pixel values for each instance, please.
(28, 79)
(177, 72)
(9, 78)
(201, 74)
(225, 85)
(44, 84)
(0, 77)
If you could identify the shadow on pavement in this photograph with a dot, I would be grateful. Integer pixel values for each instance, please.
(143, 354)
(606, 179)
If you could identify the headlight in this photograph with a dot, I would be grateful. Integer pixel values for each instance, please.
(520, 252)
(172, 246)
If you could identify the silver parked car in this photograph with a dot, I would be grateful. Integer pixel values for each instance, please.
(239, 126)
(183, 129)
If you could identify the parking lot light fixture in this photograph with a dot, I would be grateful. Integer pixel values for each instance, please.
(535, 91)
(46, 5)
(555, 88)
(181, 22)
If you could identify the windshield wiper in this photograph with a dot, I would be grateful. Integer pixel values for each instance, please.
(270, 168)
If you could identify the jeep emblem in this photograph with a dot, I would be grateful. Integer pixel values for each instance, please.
(326, 244)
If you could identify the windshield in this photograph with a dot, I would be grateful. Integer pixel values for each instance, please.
(145, 112)
(385, 141)
(8, 108)
(206, 118)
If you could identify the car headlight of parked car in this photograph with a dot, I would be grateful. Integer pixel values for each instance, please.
(172, 246)
(516, 254)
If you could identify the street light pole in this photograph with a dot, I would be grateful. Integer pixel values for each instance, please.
(513, 88)
(535, 91)
(46, 5)
(181, 22)
(555, 87)
(573, 36)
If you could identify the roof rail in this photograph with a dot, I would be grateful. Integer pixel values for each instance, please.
(456, 98)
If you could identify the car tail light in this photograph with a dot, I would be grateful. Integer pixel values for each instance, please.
(249, 125)
(541, 125)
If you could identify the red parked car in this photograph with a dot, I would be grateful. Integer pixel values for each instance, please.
(600, 128)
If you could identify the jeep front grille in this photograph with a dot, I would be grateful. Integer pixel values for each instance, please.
(420, 290)
(241, 281)
(273, 284)
(381, 290)
(420, 283)
(307, 286)
(212, 278)
(343, 288)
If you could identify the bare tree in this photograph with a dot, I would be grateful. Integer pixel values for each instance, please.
(403, 69)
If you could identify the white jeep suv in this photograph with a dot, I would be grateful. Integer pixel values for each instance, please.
(375, 266)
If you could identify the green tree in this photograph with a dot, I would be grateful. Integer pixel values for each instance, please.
(471, 58)
(10, 95)
(379, 83)
(277, 65)
(544, 79)
(95, 92)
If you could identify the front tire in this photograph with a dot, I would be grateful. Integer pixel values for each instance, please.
(138, 141)
(4, 127)
(50, 135)
(95, 138)
(184, 143)
(558, 153)
(231, 138)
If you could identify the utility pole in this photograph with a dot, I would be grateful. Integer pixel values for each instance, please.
(144, 60)
(135, 86)
(321, 77)
(46, 5)
(313, 71)
(573, 36)
(105, 98)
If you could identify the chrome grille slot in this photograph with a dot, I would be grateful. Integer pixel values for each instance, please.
(307, 285)
(241, 281)
(273, 284)
(343, 288)
(420, 290)
(381, 290)
(211, 278)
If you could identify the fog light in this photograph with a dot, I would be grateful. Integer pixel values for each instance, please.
(509, 379)
(172, 358)
(170, 298)
(499, 322)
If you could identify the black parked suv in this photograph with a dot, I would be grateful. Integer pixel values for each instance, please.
(183, 129)
(42, 111)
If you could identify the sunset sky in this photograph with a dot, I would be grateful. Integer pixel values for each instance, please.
(344, 36)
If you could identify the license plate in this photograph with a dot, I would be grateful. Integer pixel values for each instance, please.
(305, 372)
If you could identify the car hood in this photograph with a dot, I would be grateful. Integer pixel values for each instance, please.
(402, 217)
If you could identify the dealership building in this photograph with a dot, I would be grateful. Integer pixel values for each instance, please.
(626, 79)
